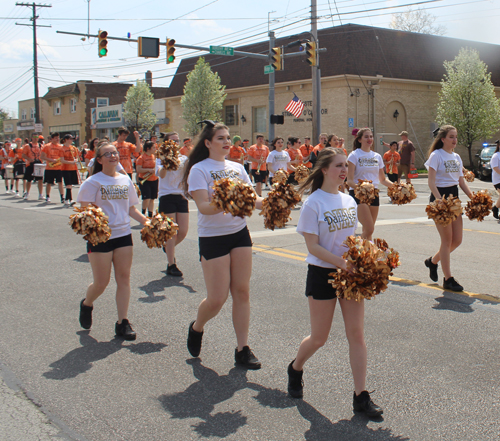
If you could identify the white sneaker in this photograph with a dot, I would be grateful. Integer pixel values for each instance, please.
(66, 203)
(18, 195)
(71, 203)
(25, 196)
(41, 197)
(10, 191)
(47, 199)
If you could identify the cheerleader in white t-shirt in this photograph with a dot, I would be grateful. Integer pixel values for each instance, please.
(495, 177)
(366, 164)
(115, 194)
(278, 158)
(445, 175)
(173, 204)
(224, 242)
(327, 218)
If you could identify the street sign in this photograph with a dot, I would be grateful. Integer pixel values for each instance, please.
(221, 50)
(268, 69)
(38, 128)
(351, 122)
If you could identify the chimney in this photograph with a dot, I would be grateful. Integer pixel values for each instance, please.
(149, 78)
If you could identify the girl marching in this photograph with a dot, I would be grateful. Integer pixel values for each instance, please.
(224, 242)
(114, 193)
(445, 175)
(327, 218)
(148, 181)
(366, 164)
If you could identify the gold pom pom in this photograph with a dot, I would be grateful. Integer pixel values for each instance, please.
(277, 206)
(479, 206)
(444, 211)
(281, 176)
(234, 197)
(157, 230)
(91, 222)
(301, 173)
(370, 266)
(365, 191)
(468, 175)
(401, 194)
(168, 153)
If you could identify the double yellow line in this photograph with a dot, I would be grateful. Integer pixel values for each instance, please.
(295, 255)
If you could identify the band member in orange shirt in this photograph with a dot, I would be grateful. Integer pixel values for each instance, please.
(51, 154)
(323, 142)
(306, 150)
(145, 167)
(69, 168)
(187, 147)
(296, 157)
(126, 149)
(31, 154)
(391, 161)
(257, 154)
(16, 159)
(236, 152)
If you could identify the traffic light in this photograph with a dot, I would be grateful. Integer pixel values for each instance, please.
(103, 43)
(170, 50)
(311, 53)
(277, 58)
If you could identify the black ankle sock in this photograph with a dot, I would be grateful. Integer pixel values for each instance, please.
(150, 214)
(144, 212)
(68, 194)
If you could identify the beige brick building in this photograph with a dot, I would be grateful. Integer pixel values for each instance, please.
(385, 79)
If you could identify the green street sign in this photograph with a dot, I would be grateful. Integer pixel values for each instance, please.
(221, 50)
(268, 69)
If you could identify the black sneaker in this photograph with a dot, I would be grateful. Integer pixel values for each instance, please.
(172, 270)
(295, 382)
(194, 341)
(124, 330)
(452, 285)
(495, 212)
(433, 269)
(363, 403)
(85, 315)
(246, 359)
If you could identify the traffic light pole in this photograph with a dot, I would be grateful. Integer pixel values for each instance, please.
(272, 42)
(316, 78)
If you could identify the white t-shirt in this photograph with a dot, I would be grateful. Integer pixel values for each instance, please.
(367, 165)
(201, 177)
(331, 217)
(119, 167)
(448, 167)
(278, 160)
(171, 183)
(495, 162)
(115, 195)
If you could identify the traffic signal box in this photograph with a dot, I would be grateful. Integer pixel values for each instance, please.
(277, 58)
(103, 44)
(311, 53)
(170, 50)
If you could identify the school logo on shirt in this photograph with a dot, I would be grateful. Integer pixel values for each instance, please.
(452, 166)
(368, 162)
(109, 192)
(220, 174)
(340, 218)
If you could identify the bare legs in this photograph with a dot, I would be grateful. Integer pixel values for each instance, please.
(451, 238)
(367, 215)
(181, 219)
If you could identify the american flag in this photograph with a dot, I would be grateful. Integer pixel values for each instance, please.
(295, 107)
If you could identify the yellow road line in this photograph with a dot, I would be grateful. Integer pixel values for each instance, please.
(465, 229)
(283, 249)
(275, 253)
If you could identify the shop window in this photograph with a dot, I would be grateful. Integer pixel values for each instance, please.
(260, 119)
(231, 115)
(102, 102)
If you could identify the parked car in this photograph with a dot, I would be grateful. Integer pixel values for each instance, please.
(483, 162)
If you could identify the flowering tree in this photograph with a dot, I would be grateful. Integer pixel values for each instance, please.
(138, 108)
(467, 99)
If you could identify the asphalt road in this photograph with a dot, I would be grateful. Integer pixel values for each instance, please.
(433, 355)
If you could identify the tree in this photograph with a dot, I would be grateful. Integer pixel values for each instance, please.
(3, 116)
(467, 99)
(203, 97)
(418, 20)
(138, 112)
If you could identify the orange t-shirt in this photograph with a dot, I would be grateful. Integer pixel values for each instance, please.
(236, 153)
(294, 154)
(70, 153)
(16, 155)
(185, 150)
(147, 161)
(4, 156)
(125, 149)
(53, 151)
(32, 153)
(395, 157)
(260, 153)
(306, 151)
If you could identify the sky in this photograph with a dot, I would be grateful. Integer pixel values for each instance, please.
(64, 59)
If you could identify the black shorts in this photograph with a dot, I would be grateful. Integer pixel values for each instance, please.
(445, 191)
(247, 167)
(317, 285)
(149, 190)
(261, 177)
(291, 179)
(173, 203)
(217, 246)
(52, 176)
(110, 245)
(70, 177)
(497, 186)
(393, 177)
(375, 202)
(28, 175)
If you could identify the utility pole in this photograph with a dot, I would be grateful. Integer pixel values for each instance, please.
(272, 42)
(35, 60)
(316, 78)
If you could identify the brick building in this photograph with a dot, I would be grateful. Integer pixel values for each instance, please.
(385, 79)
